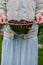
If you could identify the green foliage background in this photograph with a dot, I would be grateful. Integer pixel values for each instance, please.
(40, 40)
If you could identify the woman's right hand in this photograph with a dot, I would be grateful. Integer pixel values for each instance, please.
(2, 17)
(39, 18)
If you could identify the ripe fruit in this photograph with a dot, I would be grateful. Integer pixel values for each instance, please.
(22, 21)
(12, 21)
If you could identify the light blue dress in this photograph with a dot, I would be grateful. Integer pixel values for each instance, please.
(20, 51)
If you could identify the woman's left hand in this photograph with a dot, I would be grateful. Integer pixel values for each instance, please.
(39, 18)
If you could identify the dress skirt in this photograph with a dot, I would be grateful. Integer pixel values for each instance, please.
(19, 51)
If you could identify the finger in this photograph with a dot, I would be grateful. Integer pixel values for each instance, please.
(38, 16)
(4, 16)
(40, 22)
(3, 19)
(39, 19)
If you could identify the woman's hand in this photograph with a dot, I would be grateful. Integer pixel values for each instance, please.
(2, 17)
(39, 18)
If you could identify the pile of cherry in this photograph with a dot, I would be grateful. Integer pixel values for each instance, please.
(20, 21)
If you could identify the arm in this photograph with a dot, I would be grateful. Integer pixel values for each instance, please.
(2, 11)
(39, 6)
(2, 5)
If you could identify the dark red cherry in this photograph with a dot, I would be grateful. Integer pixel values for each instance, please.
(12, 21)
